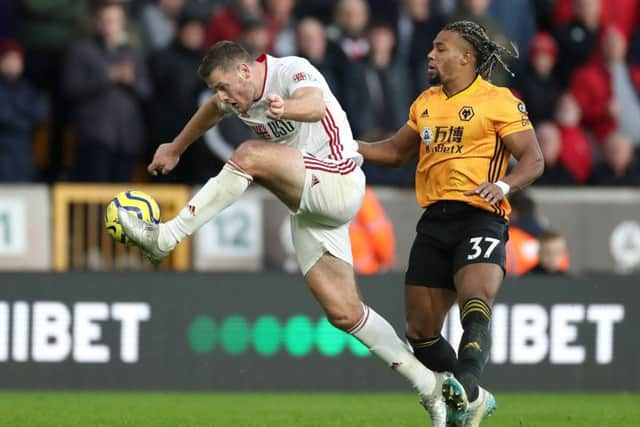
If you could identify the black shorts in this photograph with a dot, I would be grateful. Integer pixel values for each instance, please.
(453, 234)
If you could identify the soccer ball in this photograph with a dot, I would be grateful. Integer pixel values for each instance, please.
(136, 203)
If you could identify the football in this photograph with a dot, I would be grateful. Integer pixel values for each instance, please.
(136, 203)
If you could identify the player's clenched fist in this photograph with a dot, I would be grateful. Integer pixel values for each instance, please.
(276, 107)
(164, 160)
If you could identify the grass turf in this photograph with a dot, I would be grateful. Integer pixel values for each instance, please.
(90, 409)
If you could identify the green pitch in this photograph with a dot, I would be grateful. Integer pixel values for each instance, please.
(299, 410)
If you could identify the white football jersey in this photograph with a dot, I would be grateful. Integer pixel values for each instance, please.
(327, 139)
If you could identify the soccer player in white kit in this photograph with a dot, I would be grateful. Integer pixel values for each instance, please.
(308, 158)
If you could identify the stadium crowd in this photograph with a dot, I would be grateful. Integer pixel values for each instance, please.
(89, 89)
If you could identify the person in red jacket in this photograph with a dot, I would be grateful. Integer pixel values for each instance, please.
(575, 152)
(227, 23)
(621, 12)
(606, 89)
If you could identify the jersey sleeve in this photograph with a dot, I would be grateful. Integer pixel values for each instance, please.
(300, 73)
(509, 114)
(413, 118)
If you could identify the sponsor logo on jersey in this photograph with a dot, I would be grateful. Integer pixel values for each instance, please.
(298, 77)
(314, 180)
(445, 139)
(425, 113)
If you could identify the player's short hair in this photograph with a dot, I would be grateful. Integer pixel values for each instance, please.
(224, 54)
(488, 52)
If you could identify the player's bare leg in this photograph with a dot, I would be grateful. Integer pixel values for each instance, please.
(477, 286)
(277, 167)
(332, 282)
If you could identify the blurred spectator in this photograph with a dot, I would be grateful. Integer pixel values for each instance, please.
(322, 10)
(619, 167)
(351, 20)
(538, 86)
(158, 23)
(623, 13)
(105, 80)
(255, 38)
(478, 11)
(576, 152)
(519, 27)
(173, 74)
(372, 240)
(226, 23)
(281, 25)
(523, 213)
(21, 108)
(524, 228)
(607, 89)
(381, 105)
(443, 7)
(553, 254)
(578, 39)
(324, 54)
(46, 28)
(8, 20)
(202, 9)
(543, 11)
(555, 173)
(416, 28)
(521, 251)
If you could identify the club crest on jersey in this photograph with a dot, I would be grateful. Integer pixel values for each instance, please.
(466, 113)
(427, 135)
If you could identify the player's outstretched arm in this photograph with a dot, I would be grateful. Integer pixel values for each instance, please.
(396, 151)
(167, 155)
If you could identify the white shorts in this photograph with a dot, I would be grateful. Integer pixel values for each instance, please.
(331, 197)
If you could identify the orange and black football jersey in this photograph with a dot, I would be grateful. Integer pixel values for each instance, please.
(461, 141)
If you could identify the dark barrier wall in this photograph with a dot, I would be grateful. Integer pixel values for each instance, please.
(265, 332)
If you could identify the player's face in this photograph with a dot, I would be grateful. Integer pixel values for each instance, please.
(446, 57)
(233, 86)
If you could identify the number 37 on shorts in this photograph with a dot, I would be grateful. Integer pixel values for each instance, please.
(482, 247)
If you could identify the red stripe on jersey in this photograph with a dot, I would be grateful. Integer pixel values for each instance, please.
(344, 163)
(330, 134)
(343, 168)
(338, 142)
(341, 172)
(336, 135)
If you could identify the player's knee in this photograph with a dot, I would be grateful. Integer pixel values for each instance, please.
(345, 318)
(247, 156)
(424, 323)
(422, 330)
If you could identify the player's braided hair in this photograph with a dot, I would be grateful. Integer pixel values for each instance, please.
(488, 52)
